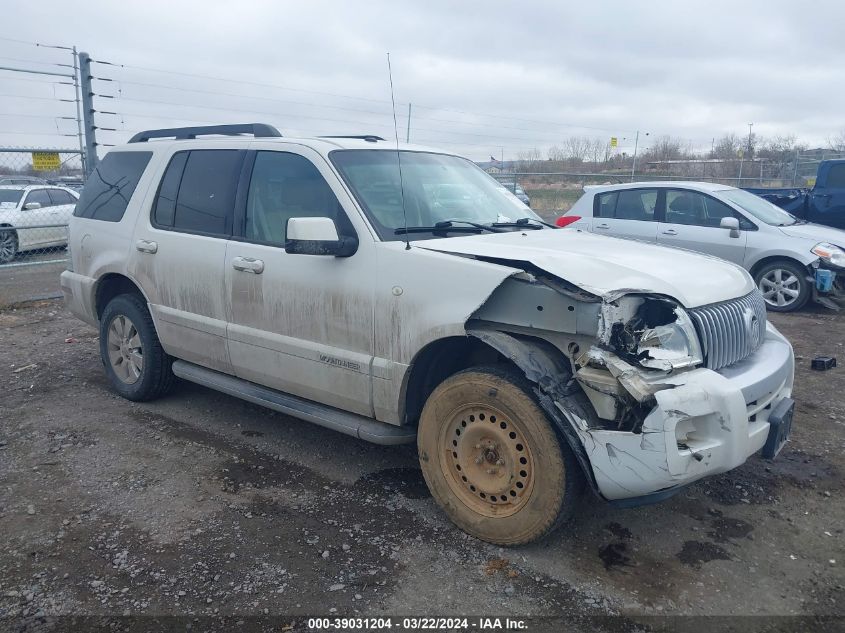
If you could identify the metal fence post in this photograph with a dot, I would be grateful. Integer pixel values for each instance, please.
(88, 113)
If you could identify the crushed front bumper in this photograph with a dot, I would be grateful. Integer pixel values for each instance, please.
(706, 422)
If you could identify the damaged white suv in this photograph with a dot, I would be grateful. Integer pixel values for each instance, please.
(400, 295)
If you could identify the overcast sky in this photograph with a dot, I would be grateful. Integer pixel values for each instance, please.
(485, 78)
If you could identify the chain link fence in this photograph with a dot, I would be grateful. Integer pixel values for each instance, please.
(38, 191)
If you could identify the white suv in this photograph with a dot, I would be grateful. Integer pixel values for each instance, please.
(342, 281)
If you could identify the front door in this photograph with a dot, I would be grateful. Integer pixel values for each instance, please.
(42, 219)
(302, 324)
(691, 221)
(827, 205)
(626, 213)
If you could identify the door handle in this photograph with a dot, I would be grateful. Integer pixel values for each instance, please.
(248, 265)
(146, 246)
(602, 226)
(670, 232)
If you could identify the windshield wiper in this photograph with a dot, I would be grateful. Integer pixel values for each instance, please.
(447, 226)
(523, 223)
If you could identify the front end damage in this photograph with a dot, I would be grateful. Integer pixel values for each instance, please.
(632, 383)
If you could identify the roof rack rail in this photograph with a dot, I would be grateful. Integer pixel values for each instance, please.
(258, 130)
(372, 138)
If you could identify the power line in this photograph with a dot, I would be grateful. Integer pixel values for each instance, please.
(341, 96)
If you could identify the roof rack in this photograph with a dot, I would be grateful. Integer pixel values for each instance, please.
(371, 138)
(258, 130)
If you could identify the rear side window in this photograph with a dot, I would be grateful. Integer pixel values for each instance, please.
(836, 176)
(627, 204)
(605, 204)
(60, 196)
(197, 193)
(110, 187)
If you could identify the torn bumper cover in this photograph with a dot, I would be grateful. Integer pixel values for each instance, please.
(706, 422)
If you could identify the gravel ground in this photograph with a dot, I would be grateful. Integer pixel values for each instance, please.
(202, 505)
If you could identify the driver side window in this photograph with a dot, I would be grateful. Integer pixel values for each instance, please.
(285, 186)
(695, 209)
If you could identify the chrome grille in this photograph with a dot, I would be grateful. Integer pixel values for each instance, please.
(731, 330)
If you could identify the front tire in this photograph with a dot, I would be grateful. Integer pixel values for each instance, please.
(784, 285)
(135, 363)
(492, 459)
(8, 245)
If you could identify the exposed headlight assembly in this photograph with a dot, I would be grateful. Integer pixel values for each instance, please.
(829, 253)
(659, 335)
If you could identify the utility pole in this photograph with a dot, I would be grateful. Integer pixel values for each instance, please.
(88, 112)
(408, 131)
(636, 143)
(79, 111)
(750, 125)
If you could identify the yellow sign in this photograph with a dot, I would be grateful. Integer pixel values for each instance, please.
(811, 182)
(614, 142)
(46, 161)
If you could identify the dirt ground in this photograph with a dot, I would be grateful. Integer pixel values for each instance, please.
(201, 505)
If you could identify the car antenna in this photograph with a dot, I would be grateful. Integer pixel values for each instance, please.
(398, 156)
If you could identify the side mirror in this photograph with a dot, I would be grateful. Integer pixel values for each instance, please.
(317, 236)
(31, 206)
(732, 224)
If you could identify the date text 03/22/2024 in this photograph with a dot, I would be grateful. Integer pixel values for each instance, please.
(418, 624)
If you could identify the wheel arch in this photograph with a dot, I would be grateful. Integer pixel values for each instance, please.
(769, 259)
(543, 365)
(111, 285)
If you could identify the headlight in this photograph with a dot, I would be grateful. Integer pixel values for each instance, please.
(670, 346)
(830, 253)
(659, 335)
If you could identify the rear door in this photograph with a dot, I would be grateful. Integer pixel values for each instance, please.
(691, 221)
(61, 212)
(627, 213)
(827, 205)
(179, 250)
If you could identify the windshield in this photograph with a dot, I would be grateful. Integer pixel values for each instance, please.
(437, 187)
(10, 196)
(761, 209)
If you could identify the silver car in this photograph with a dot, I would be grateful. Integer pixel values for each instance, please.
(792, 261)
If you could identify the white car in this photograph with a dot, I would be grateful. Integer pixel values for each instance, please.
(314, 277)
(33, 217)
(791, 260)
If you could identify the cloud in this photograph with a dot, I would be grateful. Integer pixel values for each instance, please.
(481, 75)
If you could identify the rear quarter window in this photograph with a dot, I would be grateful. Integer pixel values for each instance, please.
(110, 187)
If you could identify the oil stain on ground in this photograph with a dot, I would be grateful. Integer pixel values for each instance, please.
(695, 553)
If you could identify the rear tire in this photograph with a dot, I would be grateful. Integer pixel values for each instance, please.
(136, 365)
(784, 285)
(8, 245)
(492, 459)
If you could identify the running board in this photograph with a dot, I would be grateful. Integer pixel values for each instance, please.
(329, 417)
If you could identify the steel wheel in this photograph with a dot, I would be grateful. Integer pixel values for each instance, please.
(8, 245)
(492, 460)
(124, 349)
(780, 287)
(487, 462)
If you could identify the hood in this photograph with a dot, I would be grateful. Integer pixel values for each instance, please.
(815, 233)
(608, 266)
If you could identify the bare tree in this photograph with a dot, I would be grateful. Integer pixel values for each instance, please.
(528, 160)
(727, 147)
(837, 143)
(780, 153)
